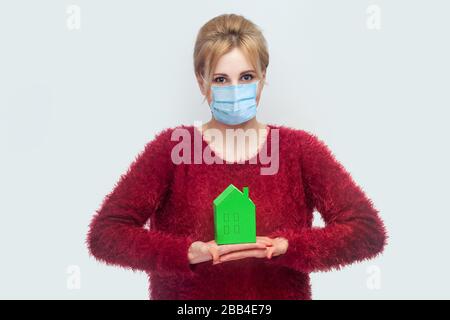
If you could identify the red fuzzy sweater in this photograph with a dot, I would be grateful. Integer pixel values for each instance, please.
(177, 201)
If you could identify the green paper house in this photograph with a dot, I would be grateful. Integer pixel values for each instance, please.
(234, 217)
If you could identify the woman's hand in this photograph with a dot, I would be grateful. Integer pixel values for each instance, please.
(278, 246)
(200, 251)
(264, 247)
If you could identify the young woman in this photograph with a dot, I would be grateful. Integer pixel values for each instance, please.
(175, 197)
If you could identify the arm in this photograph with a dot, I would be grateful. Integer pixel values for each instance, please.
(353, 231)
(117, 235)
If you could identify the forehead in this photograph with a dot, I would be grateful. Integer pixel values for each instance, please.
(233, 63)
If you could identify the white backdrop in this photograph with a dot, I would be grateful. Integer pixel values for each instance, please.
(85, 84)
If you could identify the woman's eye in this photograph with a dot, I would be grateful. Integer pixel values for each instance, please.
(250, 77)
(218, 79)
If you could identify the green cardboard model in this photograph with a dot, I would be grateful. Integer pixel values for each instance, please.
(234, 217)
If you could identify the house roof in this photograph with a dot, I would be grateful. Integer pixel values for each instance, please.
(230, 189)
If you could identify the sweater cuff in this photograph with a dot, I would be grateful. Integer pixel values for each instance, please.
(172, 256)
(295, 255)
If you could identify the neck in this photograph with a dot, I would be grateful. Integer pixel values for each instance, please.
(250, 124)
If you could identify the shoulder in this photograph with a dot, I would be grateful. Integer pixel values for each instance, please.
(156, 152)
(297, 137)
(164, 138)
(311, 149)
(164, 141)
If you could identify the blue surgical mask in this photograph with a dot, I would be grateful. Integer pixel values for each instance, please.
(234, 104)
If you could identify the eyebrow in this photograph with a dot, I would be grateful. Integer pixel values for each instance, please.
(224, 74)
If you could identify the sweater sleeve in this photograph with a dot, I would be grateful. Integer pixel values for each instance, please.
(353, 229)
(117, 233)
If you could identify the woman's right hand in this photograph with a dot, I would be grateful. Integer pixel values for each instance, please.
(200, 251)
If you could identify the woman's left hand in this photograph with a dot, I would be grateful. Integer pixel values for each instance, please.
(277, 247)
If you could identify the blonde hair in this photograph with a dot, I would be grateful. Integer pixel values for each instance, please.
(222, 34)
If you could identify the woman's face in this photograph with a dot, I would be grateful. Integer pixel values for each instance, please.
(232, 69)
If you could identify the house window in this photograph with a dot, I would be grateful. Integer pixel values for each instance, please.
(231, 223)
(226, 223)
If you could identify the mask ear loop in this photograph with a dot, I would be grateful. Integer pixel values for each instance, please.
(257, 84)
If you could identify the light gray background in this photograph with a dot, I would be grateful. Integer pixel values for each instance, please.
(76, 106)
